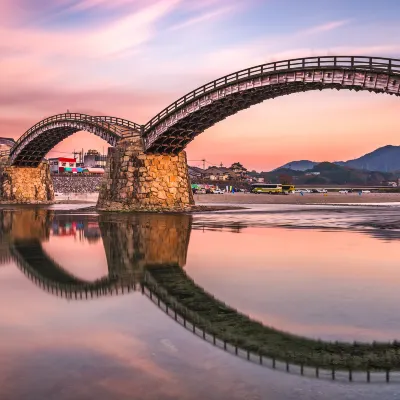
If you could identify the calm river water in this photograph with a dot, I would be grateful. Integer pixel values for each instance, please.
(319, 272)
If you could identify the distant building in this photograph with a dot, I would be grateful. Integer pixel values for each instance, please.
(260, 180)
(235, 172)
(312, 173)
(238, 169)
(59, 164)
(219, 174)
(93, 159)
(196, 172)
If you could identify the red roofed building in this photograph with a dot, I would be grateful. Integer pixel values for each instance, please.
(60, 163)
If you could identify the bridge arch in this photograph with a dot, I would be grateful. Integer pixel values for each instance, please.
(53, 278)
(37, 141)
(226, 327)
(178, 124)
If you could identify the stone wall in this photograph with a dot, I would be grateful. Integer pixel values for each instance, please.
(26, 185)
(136, 181)
(77, 183)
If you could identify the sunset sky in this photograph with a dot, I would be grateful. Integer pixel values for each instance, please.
(131, 58)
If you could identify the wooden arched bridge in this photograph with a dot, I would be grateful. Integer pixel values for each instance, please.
(161, 140)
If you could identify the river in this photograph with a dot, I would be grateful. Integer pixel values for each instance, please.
(318, 272)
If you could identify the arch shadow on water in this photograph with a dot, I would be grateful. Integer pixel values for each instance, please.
(147, 252)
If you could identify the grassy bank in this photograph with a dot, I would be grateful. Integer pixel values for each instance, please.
(216, 318)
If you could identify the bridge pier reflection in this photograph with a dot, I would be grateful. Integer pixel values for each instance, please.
(131, 243)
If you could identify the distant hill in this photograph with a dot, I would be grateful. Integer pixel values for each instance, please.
(327, 173)
(300, 165)
(383, 159)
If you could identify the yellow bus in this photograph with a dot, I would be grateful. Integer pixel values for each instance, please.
(270, 188)
(288, 188)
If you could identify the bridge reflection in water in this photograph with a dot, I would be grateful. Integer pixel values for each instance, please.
(147, 253)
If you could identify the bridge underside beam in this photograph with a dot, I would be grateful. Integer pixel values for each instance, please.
(30, 150)
(173, 133)
(184, 131)
(33, 153)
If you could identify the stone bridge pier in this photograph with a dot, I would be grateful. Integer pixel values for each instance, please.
(134, 181)
(26, 184)
(137, 181)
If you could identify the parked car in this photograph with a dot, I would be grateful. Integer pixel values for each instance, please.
(302, 191)
(365, 191)
(201, 191)
(218, 191)
(343, 191)
(321, 191)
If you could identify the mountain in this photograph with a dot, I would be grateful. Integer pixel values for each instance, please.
(300, 165)
(383, 159)
(327, 173)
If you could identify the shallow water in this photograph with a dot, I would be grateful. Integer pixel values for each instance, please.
(303, 270)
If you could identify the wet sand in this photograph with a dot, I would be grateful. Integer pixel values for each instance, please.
(297, 198)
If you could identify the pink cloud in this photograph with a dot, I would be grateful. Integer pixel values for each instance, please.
(129, 67)
(123, 34)
(328, 26)
(203, 18)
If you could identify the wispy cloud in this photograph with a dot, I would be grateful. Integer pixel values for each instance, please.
(328, 26)
(133, 57)
(123, 34)
(88, 4)
(202, 18)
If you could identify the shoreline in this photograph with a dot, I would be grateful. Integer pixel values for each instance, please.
(239, 199)
(297, 198)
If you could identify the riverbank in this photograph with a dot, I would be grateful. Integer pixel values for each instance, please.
(297, 198)
(250, 198)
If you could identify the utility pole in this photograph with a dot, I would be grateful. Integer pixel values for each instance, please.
(204, 163)
(76, 153)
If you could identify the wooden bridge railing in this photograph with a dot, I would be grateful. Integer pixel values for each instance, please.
(112, 123)
(373, 64)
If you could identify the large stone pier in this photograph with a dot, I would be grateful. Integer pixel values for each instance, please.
(133, 181)
(136, 181)
(26, 185)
